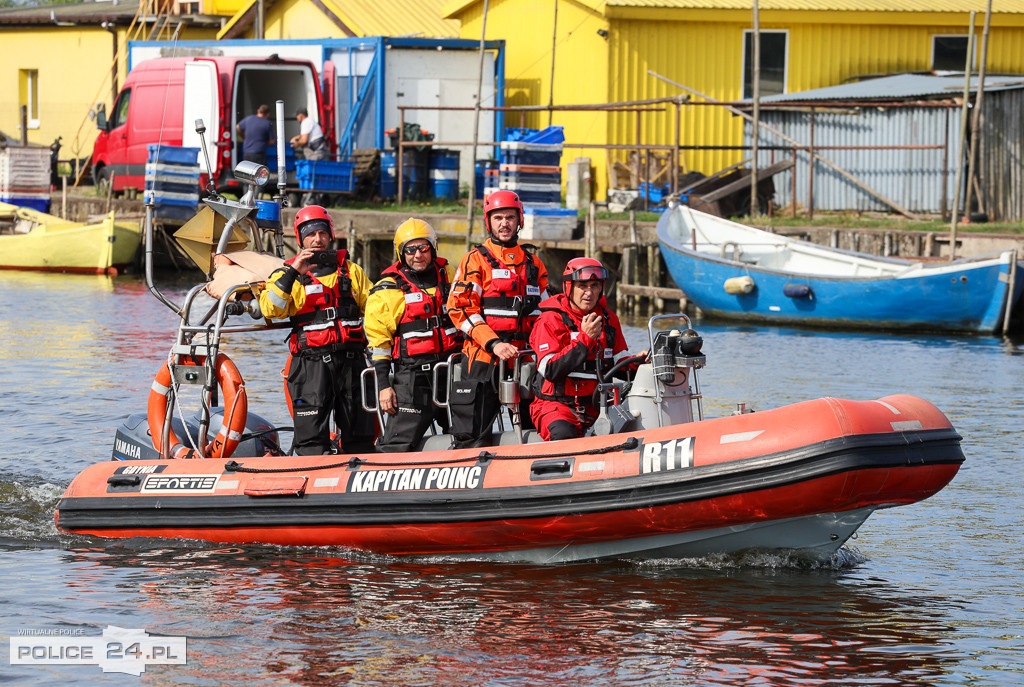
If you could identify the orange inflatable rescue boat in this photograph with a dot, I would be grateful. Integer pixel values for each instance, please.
(655, 479)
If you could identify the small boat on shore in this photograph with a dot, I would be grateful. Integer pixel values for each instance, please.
(33, 240)
(653, 479)
(737, 272)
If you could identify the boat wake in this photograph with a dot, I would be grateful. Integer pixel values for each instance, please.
(26, 511)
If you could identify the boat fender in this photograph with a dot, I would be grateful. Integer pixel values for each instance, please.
(236, 409)
(737, 286)
(798, 291)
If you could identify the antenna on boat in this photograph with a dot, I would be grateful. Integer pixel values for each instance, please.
(282, 176)
(211, 187)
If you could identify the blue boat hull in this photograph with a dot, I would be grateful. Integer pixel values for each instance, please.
(967, 296)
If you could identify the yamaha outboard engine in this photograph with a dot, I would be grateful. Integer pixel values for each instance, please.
(134, 442)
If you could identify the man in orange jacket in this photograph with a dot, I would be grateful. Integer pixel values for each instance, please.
(494, 300)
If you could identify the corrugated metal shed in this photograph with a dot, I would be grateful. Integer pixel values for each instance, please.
(918, 179)
(900, 87)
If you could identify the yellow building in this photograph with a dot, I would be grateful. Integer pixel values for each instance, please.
(292, 19)
(572, 52)
(60, 61)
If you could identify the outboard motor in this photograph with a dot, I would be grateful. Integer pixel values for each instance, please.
(664, 391)
(133, 441)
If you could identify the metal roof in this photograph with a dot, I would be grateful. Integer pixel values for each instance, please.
(958, 6)
(900, 87)
(454, 7)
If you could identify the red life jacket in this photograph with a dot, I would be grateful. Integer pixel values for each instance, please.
(330, 319)
(578, 386)
(425, 328)
(509, 304)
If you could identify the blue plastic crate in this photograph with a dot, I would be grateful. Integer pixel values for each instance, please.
(159, 152)
(550, 135)
(289, 158)
(514, 134)
(531, 178)
(549, 155)
(653, 193)
(323, 175)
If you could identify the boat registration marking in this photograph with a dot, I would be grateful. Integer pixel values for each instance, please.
(193, 483)
(659, 456)
(596, 466)
(774, 308)
(906, 426)
(740, 436)
(325, 482)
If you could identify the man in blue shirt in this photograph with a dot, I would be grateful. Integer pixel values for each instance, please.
(258, 133)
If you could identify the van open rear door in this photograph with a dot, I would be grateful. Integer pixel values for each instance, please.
(202, 101)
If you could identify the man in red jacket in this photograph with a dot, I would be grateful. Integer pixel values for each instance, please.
(577, 340)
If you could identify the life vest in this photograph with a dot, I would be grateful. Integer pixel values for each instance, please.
(330, 319)
(509, 303)
(425, 327)
(578, 386)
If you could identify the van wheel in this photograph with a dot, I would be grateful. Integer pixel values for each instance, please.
(103, 181)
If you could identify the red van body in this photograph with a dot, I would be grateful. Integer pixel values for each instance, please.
(163, 97)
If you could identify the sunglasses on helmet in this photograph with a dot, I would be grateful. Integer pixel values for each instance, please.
(588, 273)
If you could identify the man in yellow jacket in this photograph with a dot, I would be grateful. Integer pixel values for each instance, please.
(494, 301)
(408, 328)
(324, 295)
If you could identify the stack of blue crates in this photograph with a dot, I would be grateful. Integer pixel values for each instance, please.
(172, 181)
(530, 166)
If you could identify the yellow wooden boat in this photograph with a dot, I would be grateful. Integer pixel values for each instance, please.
(33, 240)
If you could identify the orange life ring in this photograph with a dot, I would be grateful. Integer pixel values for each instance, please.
(236, 409)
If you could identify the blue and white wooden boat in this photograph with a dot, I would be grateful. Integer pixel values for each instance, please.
(734, 271)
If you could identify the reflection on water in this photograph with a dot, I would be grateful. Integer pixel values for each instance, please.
(724, 623)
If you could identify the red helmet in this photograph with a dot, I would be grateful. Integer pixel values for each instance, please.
(500, 200)
(312, 218)
(584, 269)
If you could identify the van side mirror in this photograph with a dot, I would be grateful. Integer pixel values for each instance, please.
(101, 117)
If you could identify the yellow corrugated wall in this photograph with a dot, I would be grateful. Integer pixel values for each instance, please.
(707, 57)
(581, 68)
(703, 49)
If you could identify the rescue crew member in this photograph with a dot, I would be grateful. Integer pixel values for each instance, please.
(324, 294)
(576, 339)
(494, 300)
(407, 325)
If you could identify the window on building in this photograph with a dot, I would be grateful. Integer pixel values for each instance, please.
(773, 63)
(28, 95)
(950, 53)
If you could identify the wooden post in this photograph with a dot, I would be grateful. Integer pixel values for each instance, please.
(1010, 286)
(652, 270)
(64, 197)
(626, 303)
(110, 190)
(353, 242)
